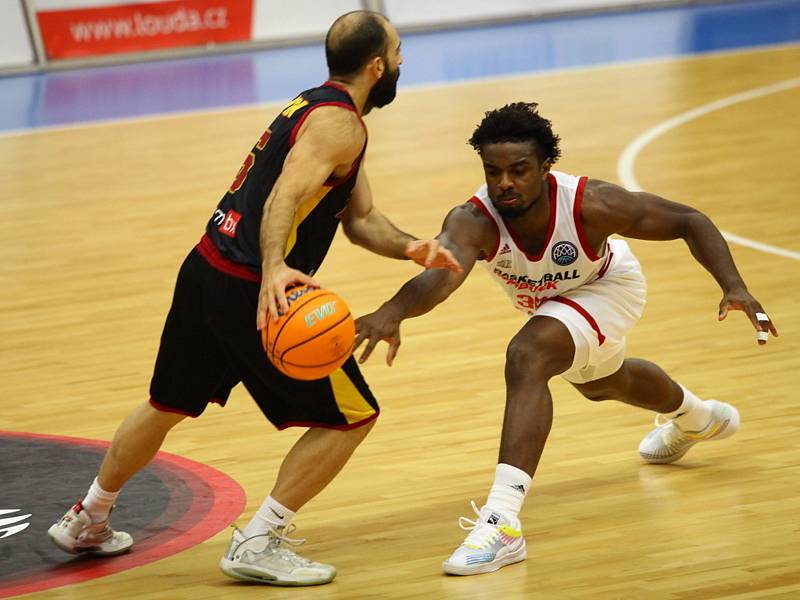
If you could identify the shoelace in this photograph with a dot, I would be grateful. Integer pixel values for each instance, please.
(287, 553)
(479, 536)
(672, 435)
(276, 539)
(284, 537)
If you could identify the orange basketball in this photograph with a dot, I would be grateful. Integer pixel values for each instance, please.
(314, 338)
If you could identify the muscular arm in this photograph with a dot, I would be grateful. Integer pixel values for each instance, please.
(468, 235)
(608, 208)
(330, 138)
(369, 228)
(366, 226)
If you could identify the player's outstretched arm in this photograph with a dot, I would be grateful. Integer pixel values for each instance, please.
(609, 209)
(329, 138)
(467, 234)
(369, 228)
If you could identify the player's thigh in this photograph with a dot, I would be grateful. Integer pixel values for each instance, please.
(190, 369)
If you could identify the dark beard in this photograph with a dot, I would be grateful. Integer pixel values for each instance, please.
(384, 91)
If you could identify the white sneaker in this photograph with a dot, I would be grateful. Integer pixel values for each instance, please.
(77, 534)
(493, 542)
(668, 442)
(265, 559)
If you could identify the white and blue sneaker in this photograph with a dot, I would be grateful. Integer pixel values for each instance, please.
(494, 541)
(668, 442)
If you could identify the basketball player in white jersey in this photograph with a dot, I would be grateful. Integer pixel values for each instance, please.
(544, 237)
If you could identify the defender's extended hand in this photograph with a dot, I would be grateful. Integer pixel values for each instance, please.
(740, 299)
(375, 327)
(432, 255)
(272, 296)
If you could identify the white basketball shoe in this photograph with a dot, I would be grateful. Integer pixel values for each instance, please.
(494, 541)
(668, 442)
(77, 534)
(266, 559)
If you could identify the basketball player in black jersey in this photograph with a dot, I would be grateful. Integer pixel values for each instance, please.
(545, 237)
(272, 228)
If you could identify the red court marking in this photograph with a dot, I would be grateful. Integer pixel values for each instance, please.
(204, 518)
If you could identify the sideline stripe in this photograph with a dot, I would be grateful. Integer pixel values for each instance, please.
(209, 515)
(625, 164)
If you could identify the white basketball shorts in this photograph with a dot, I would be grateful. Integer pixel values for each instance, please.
(599, 315)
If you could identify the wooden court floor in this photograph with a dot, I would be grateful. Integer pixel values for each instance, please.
(97, 219)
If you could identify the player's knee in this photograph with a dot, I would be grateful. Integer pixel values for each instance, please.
(596, 394)
(364, 429)
(528, 358)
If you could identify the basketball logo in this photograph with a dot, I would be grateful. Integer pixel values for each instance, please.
(564, 253)
(315, 336)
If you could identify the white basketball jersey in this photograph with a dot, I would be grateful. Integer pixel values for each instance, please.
(566, 260)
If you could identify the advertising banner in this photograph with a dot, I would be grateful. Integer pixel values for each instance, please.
(83, 31)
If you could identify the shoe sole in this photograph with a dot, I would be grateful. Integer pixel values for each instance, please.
(730, 428)
(93, 550)
(231, 569)
(509, 559)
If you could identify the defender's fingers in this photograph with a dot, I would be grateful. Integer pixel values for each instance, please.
(368, 349)
(763, 327)
(394, 345)
(433, 250)
(360, 337)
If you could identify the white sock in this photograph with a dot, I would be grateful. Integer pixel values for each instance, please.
(693, 414)
(271, 515)
(98, 502)
(508, 492)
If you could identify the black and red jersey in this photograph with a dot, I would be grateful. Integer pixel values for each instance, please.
(231, 242)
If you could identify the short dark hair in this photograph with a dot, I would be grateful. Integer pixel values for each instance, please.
(517, 122)
(353, 40)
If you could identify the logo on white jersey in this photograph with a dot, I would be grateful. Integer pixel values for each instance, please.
(505, 250)
(564, 253)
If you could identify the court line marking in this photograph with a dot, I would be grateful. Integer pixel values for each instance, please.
(627, 160)
(477, 80)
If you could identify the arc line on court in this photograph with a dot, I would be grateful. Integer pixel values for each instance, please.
(627, 159)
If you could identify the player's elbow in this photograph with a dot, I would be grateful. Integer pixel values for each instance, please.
(696, 224)
(353, 232)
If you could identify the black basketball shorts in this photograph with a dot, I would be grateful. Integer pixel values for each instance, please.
(210, 343)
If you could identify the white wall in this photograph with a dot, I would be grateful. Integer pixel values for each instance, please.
(429, 12)
(15, 47)
(279, 20)
(276, 19)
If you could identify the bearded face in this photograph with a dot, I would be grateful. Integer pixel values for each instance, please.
(385, 90)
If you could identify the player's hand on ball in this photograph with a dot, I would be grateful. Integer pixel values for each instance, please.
(741, 299)
(432, 255)
(272, 296)
(375, 327)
